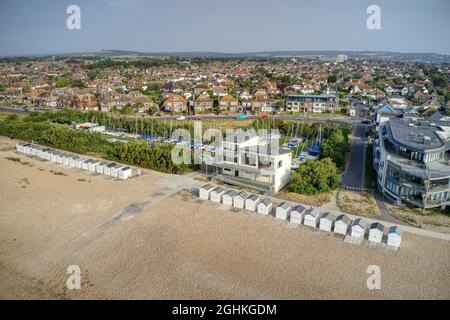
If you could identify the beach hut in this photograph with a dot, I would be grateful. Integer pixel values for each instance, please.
(326, 221)
(283, 211)
(124, 173)
(376, 232)
(205, 191)
(251, 202)
(19, 147)
(99, 167)
(358, 228)
(39, 151)
(73, 161)
(32, 150)
(92, 165)
(27, 148)
(342, 224)
(54, 156)
(46, 154)
(114, 170)
(85, 164)
(79, 162)
(311, 218)
(394, 237)
(107, 169)
(239, 200)
(216, 194)
(59, 158)
(66, 159)
(264, 206)
(297, 214)
(227, 198)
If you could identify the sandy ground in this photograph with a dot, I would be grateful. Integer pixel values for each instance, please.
(142, 239)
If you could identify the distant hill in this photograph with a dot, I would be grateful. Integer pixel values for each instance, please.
(326, 55)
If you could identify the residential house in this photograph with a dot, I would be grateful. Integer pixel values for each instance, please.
(203, 103)
(175, 103)
(229, 103)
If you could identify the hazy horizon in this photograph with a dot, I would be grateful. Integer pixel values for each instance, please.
(233, 26)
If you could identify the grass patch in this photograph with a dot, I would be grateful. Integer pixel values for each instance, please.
(360, 204)
(202, 178)
(316, 200)
(430, 219)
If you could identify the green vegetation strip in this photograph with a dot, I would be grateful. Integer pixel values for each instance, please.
(65, 138)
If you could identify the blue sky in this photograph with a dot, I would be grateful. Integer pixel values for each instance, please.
(39, 26)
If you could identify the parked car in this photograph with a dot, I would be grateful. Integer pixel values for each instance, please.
(180, 118)
(198, 118)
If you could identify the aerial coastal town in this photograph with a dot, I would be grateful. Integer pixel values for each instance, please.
(187, 170)
(362, 153)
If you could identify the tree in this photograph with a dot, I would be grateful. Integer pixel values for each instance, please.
(315, 177)
(127, 110)
(332, 78)
(336, 147)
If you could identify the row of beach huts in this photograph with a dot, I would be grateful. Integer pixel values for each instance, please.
(298, 214)
(75, 161)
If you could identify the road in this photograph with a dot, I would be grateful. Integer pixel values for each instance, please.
(353, 177)
(344, 120)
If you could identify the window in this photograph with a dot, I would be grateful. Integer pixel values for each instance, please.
(280, 163)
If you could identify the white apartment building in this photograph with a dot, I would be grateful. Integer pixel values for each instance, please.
(250, 161)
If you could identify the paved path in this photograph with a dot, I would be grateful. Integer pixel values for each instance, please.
(353, 176)
(386, 214)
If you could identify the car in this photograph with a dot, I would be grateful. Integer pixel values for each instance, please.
(180, 118)
(241, 117)
(198, 118)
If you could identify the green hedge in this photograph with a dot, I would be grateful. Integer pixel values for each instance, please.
(62, 137)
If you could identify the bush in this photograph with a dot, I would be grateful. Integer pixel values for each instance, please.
(315, 177)
(45, 133)
(140, 154)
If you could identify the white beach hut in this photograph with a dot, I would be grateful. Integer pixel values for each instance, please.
(39, 152)
(376, 232)
(227, 198)
(124, 173)
(342, 224)
(251, 202)
(297, 214)
(99, 167)
(311, 218)
(19, 147)
(92, 165)
(59, 158)
(205, 191)
(107, 169)
(394, 237)
(216, 194)
(114, 170)
(326, 221)
(53, 154)
(264, 206)
(66, 159)
(85, 164)
(79, 162)
(239, 200)
(283, 210)
(32, 150)
(46, 154)
(73, 161)
(358, 228)
(27, 148)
